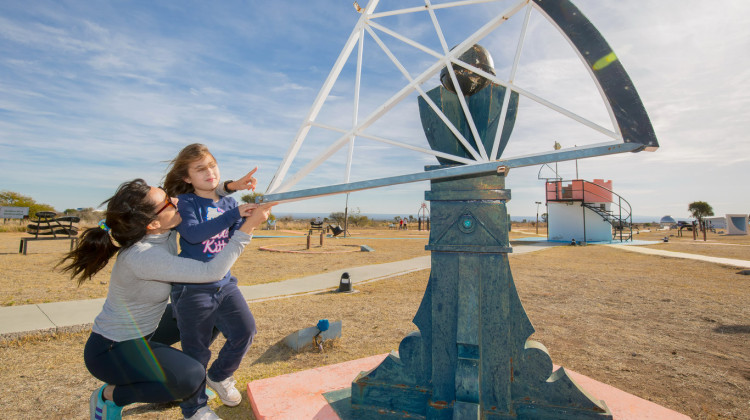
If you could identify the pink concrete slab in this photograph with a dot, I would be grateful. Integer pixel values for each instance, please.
(299, 395)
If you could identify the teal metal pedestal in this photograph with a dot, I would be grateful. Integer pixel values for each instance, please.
(471, 358)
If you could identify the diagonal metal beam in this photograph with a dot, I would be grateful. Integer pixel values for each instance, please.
(474, 152)
(506, 97)
(599, 149)
(436, 6)
(403, 145)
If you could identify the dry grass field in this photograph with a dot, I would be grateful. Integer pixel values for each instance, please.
(21, 286)
(672, 331)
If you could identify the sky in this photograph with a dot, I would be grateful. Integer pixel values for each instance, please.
(92, 96)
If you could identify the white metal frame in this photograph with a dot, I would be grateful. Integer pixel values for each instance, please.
(367, 24)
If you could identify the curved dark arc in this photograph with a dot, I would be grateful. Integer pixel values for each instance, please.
(618, 89)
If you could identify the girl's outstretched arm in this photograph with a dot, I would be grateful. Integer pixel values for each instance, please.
(247, 182)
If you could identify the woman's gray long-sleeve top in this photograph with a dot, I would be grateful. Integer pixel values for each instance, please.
(140, 283)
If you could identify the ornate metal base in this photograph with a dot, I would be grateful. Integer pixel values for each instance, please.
(471, 358)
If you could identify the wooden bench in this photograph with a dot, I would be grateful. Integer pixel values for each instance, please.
(46, 226)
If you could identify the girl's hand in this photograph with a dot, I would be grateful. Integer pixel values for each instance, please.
(247, 182)
(247, 209)
(259, 215)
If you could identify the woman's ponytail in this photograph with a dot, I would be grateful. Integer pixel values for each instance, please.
(95, 248)
(128, 214)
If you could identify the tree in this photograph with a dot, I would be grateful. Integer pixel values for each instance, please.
(337, 216)
(88, 214)
(700, 209)
(14, 199)
(358, 219)
(250, 198)
(544, 217)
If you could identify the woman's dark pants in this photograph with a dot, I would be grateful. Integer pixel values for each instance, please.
(146, 369)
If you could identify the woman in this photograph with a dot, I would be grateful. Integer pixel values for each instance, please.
(122, 350)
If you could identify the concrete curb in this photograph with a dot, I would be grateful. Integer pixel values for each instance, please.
(684, 255)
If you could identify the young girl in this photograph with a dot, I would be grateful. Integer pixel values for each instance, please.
(208, 223)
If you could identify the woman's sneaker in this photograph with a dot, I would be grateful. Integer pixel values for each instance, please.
(226, 390)
(210, 393)
(103, 410)
(204, 413)
(97, 406)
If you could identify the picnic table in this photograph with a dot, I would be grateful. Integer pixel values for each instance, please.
(47, 226)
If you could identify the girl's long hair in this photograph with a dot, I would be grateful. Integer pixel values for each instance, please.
(128, 213)
(174, 182)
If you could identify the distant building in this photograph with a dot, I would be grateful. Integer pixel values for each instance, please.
(716, 222)
(585, 211)
(737, 224)
(667, 221)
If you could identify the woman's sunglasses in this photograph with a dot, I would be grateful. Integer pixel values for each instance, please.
(167, 202)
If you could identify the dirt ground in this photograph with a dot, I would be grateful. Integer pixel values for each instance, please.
(672, 331)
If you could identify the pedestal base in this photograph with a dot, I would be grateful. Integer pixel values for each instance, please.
(302, 395)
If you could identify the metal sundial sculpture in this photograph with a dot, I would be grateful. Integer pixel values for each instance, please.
(472, 357)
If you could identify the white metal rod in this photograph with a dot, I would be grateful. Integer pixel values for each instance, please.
(488, 28)
(406, 40)
(314, 110)
(328, 152)
(519, 47)
(548, 104)
(449, 124)
(506, 97)
(320, 99)
(422, 9)
(501, 124)
(355, 110)
(467, 113)
(402, 145)
(424, 95)
(456, 86)
(368, 121)
(420, 149)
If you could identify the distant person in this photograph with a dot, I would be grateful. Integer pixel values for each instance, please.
(400, 223)
(128, 348)
(209, 221)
